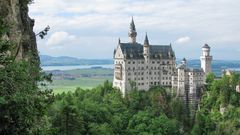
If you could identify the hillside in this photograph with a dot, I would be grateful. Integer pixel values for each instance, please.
(47, 60)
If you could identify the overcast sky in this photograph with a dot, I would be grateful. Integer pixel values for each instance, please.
(91, 28)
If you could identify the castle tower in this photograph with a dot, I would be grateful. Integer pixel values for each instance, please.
(184, 62)
(132, 34)
(206, 59)
(146, 48)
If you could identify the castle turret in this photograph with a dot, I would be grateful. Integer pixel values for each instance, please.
(132, 34)
(206, 59)
(184, 61)
(146, 48)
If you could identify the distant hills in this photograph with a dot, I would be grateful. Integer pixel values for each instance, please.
(217, 65)
(47, 60)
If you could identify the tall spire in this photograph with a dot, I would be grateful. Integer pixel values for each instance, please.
(132, 25)
(146, 48)
(132, 34)
(146, 42)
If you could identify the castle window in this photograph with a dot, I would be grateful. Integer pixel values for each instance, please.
(166, 82)
(158, 62)
(129, 68)
(133, 68)
(163, 83)
(129, 73)
(135, 73)
(142, 68)
(142, 83)
(133, 62)
(153, 62)
(142, 73)
(129, 62)
(142, 78)
(150, 73)
(167, 62)
(142, 62)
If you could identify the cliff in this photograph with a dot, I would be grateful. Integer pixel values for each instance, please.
(15, 13)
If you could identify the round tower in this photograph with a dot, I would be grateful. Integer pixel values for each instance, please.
(206, 59)
(132, 34)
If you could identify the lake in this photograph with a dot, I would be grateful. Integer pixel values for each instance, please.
(75, 67)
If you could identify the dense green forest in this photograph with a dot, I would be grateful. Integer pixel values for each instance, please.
(27, 109)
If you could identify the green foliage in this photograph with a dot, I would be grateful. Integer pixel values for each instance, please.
(220, 96)
(103, 110)
(210, 77)
(22, 104)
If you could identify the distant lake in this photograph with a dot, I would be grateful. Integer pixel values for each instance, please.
(75, 67)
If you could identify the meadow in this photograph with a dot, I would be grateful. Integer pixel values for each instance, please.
(69, 80)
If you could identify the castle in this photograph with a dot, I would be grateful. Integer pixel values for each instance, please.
(145, 65)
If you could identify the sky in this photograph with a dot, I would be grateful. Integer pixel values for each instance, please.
(91, 28)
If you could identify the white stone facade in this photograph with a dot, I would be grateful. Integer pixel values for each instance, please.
(187, 80)
(145, 65)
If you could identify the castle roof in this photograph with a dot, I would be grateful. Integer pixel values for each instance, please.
(206, 46)
(181, 66)
(135, 51)
(146, 42)
(194, 70)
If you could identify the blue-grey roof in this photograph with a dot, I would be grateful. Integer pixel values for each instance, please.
(135, 51)
(181, 66)
(206, 46)
(194, 70)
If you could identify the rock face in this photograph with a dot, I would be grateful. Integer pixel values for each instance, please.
(15, 13)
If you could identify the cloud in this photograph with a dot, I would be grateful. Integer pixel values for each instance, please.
(202, 20)
(60, 38)
(183, 40)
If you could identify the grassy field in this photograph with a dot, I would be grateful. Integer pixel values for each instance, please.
(94, 78)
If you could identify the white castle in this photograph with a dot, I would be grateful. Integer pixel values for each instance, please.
(149, 65)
